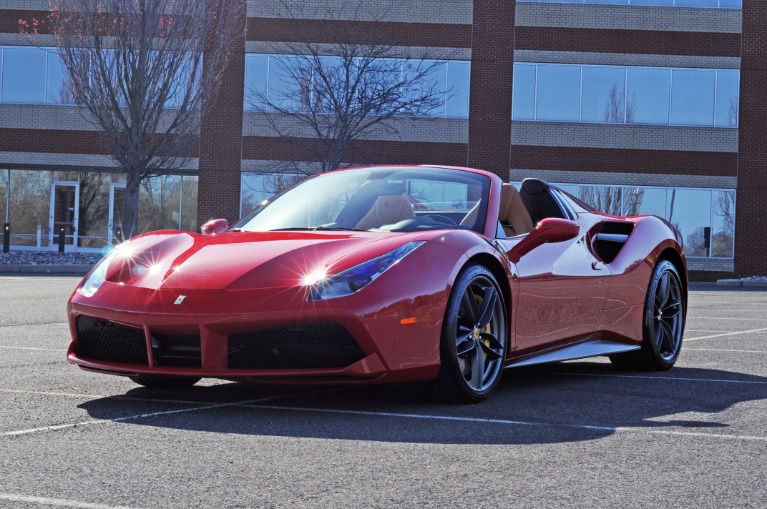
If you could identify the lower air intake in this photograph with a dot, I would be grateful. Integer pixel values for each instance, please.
(319, 346)
(102, 340)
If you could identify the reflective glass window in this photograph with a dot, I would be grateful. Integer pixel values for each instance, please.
(603, 198)
(256, 73)
(159, 203)
(697, 3)
(603, 94)
(285, 74)
(29, 197)
(666, 3)
(58, 86)
(93, 217)
(727, 102)
(426, 83)
(3, 196)
(189, 204)
(458, 83)
(640, 201)
(690, 211)
(559, 92)
(723, 224)
(23, 75)
(731, 4)
(692, 97)
(648, 95)
(523, 95)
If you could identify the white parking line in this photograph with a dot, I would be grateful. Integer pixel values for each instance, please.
(727, 334)
(673, 378)
(507, 422)
(725, 318)
(102, 396)
(722, 350)
(202, 406)
(35, 349)
(59, 502)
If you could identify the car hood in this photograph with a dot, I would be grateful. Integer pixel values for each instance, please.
(241, 260)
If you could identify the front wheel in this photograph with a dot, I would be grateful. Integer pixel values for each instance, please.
(474, 340)
(663, 327)
(165, 382)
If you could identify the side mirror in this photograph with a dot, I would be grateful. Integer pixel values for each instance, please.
(551, 229)
(214, 226)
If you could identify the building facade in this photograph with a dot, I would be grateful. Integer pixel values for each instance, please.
(637, 106)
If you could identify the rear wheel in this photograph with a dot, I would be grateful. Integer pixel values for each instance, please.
(165, 382)
(474, 339)
(664, 316)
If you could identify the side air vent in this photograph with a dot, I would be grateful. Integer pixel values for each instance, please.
(610, 238)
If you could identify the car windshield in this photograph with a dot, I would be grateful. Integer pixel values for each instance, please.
(399, 199)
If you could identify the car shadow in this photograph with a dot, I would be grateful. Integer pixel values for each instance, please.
(573, 401)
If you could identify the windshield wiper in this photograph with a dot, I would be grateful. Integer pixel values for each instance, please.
(316, 228)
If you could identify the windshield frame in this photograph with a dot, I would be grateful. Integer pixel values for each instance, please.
(379, 179)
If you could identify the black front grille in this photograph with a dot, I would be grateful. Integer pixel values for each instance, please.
(102, 340)
(175, 350)
(324, 345)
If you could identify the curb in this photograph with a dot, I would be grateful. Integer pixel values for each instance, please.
(69, 270)
(745, 283)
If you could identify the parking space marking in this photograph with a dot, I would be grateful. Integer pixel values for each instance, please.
(199, 406)
(727, 334)
(509, 422)
(722, 350)
(35, 349)
(672, 378)
(102, 396)
(59, 502)
(726, 318)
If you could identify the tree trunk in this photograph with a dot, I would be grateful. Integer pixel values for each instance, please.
(130, 210)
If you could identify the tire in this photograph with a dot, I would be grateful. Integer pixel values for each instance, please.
(474, 340)
(165, 382)
(663, 325)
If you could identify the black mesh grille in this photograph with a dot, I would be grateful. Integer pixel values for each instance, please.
(324, 345)
(102, 340)
(174, 350)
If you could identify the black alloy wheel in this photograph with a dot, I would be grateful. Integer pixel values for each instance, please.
(663, 327)
(474, 339)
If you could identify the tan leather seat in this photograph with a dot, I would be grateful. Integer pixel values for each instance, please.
(513, 215)
(471, 217)
(387, 209)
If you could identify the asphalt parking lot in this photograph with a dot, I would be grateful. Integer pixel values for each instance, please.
(576, 434)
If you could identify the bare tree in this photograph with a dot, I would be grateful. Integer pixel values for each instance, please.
(603, 198)
(136, 66)
(616, 110)
(345, 90)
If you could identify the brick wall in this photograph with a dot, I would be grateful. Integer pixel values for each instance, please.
(751, 211)
(492, 69)
(221, 140)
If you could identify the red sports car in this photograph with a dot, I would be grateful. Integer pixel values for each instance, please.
(387, 274)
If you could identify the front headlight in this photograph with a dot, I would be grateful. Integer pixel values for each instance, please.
(96, 278)
(356, 278)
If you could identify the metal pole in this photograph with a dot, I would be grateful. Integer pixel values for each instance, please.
(61, 240)
(7, 237)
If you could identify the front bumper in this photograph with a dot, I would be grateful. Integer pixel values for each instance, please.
(268, 335)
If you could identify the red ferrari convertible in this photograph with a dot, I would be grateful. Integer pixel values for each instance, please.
(387, 274)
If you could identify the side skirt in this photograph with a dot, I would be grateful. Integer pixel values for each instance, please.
(579, 351)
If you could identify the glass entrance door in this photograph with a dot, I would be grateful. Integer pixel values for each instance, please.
(116, 205)
(65, 207)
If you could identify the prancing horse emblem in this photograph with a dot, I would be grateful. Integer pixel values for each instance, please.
(180, 299)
